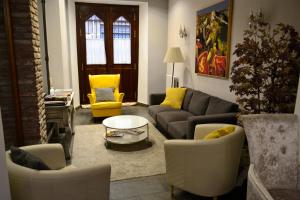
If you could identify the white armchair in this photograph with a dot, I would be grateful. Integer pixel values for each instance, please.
(204, 167)
(61, 183)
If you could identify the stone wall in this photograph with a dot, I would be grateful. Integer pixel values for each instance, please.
(26, 39)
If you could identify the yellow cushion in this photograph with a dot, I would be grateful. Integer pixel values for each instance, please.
(220, 132)
(174, 97)
(106, 105)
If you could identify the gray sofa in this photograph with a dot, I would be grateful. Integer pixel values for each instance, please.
(197, 108)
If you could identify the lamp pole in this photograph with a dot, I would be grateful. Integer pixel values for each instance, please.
(172, 75)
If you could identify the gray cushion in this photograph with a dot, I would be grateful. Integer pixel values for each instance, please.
(178, 129)
(218, 106)
(104, 94)
(155, 109)
(26, 159)
(163, 118)
(187, 98)
(199, 102)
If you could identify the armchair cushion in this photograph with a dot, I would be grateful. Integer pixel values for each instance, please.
(106, 105)
(104, 94)
(26, 159)
(220, 132)
(228, 118)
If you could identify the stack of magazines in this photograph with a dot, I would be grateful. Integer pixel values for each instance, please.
(60, 98)
(120, 133)
(115, 134)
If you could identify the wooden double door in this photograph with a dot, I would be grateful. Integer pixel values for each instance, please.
(107, 43)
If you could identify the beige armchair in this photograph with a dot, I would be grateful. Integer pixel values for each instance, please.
(61, 183)
(204, 167)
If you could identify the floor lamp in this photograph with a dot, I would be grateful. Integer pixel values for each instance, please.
(173, 55)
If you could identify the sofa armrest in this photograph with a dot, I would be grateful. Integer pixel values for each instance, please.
(225, 118)
(156, 99)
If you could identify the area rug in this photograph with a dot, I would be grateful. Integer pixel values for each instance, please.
(129, 161)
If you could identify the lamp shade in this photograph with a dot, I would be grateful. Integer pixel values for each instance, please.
(173, 55)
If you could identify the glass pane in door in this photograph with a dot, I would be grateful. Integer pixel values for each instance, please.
(94, 37)
(122, 41)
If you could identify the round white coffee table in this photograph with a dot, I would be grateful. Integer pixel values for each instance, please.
(131, 129)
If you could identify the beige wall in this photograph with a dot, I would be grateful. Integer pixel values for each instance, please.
(143, 53)
(57, 43)
(157, 37)
(182, 12)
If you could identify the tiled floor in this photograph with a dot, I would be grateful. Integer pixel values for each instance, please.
(153, 187)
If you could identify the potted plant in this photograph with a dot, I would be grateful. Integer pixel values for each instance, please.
(266, 72)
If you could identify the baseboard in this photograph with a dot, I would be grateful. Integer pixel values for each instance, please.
(77, 107)
(137, 103)
(142, 104)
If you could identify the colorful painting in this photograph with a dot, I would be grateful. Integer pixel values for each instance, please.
(213, 30)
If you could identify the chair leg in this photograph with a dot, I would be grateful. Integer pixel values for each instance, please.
(215, 198)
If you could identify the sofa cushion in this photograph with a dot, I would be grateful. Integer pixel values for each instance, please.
(178, 129)
(187, 99)
(26, 159)
(163, 118)
(218, 106)
(155, 109)
(198, 103)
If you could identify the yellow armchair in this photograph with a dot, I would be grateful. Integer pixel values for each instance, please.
(106, 108)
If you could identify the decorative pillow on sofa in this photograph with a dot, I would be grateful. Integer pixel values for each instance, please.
(104, 94)
(26, 159)
(174, 97)
(219, 132)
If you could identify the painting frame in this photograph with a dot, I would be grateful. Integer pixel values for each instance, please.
(213, 40)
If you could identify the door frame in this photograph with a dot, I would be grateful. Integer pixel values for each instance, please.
(108, 48)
